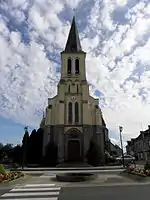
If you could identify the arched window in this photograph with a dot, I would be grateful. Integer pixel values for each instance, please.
(77, 88)
(69, 88)
(77, 66)
(69, 66)
(76, 112)
(70, 113)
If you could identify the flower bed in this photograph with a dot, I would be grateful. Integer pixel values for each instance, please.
(138, 171)
(8, 176)
(137, 174)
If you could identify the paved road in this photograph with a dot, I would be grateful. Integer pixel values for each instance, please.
(31, 192)
(53, 192)
(106, 193)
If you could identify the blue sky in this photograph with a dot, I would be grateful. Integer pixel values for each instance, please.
(11, 132)
(114, 33)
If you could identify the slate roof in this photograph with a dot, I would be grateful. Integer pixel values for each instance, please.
(73, 44)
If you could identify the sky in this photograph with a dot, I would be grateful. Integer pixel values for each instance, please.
(114, 33)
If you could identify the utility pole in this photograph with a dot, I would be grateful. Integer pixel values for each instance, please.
(120, 130)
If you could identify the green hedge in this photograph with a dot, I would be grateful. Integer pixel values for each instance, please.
(147, 165)
(2, 169)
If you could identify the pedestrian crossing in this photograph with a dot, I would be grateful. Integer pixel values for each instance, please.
(33, 192)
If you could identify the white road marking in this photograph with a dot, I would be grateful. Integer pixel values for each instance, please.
(37, 198)
(12, 194)
(33, 192)
(39, 185)
(34, 189)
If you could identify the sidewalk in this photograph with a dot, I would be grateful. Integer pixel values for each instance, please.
(101, 180)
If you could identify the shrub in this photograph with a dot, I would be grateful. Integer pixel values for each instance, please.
(93, 154)
(2, 169)
(109, 158)
(51, 154)
(147, 165)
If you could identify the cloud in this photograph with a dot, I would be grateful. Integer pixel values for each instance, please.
(115, 35)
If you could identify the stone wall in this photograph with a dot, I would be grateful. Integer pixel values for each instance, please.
(61, 139)
(57, 133)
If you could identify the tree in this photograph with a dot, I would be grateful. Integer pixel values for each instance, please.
(16, 154)
(32, 151)
(5, 153)
(109, 158)
(39, 144)
(1, 146)
(25, 147)
(35, 146)
(7, 147)
(1, 152)
(51, 154)
(94, 154)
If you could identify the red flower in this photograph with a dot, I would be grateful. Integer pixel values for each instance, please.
(131, 168)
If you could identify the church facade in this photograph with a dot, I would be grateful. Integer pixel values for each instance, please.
(73, 117)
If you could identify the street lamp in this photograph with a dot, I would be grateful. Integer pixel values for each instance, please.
(120, 130)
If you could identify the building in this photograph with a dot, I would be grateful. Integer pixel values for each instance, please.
(115, 150)
(112, 149)
(73, 117)
(140, 146)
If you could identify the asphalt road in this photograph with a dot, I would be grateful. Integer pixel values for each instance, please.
(106, 193)
(4, 190)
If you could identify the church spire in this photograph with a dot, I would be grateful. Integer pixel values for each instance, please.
(73, 42)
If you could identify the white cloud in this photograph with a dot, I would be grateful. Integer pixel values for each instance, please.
(72, 3)
(116, 38)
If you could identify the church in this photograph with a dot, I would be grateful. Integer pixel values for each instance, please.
(73, 117)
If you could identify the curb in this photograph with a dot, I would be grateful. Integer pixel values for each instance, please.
(71, 168)
(38, 173)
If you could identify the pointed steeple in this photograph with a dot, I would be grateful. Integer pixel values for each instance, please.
(73, 42)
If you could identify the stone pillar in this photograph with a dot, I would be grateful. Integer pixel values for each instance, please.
(65, 147)
(87, 135)
(59, 140)
(100, 141)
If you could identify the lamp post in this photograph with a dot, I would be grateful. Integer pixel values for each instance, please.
(120, 130)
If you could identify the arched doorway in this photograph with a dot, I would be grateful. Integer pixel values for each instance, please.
(74, 145)
(74, 150)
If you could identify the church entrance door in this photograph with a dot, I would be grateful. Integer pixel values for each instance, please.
(73, 150)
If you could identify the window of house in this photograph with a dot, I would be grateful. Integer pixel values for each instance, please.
(76, 112)
(70, 113)
(69, 66)
(77, 66)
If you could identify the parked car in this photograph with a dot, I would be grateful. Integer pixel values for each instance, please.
(127, 159)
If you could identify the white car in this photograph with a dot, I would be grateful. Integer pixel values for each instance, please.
(127, 159)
